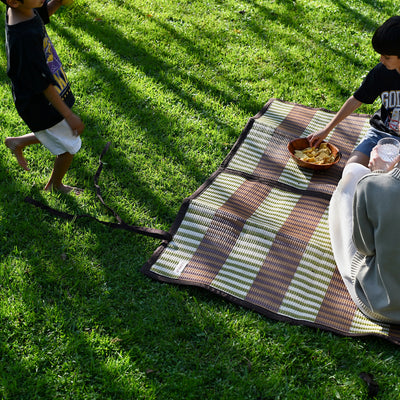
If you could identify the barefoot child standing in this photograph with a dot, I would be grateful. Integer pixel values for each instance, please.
(40, 88)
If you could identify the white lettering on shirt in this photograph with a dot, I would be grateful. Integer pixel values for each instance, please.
(391, 99)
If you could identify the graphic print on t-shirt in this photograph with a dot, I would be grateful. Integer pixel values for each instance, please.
(391, 101)
(55, 67)
(394, 121)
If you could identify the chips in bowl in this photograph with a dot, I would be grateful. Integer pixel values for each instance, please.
(316, 155)
(322, 157)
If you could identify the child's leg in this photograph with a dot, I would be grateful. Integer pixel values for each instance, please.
(61, 165)
(17, 144)
(358, 157)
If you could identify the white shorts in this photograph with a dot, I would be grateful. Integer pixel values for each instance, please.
(59, 139)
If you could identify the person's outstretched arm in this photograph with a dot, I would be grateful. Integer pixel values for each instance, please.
(54, 5)
(348, 108)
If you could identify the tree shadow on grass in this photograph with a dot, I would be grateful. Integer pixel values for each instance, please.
(55, 305)
(267, 18)
(149, 117)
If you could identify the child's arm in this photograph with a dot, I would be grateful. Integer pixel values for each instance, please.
(348, 108)
(73, 120)
(54, 5)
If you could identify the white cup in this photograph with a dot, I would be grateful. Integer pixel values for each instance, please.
(388, 149)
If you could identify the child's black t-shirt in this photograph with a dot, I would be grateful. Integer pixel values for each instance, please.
(383, 83)
(32, 65)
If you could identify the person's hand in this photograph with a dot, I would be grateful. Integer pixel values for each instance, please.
(376, 162)
(75, 124)
(316, 138)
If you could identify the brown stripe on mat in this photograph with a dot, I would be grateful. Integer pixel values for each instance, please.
(326, 181)
(337, 309)
(274, 159)
(285, 254)
(276, 154)
(394, 332)
(297, 120)
(223, 232)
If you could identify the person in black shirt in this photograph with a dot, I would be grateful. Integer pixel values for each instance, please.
(40, 88)
(382, 81)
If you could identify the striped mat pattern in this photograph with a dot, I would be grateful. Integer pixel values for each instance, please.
(256, 232)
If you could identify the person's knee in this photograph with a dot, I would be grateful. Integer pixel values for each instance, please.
(358, 157)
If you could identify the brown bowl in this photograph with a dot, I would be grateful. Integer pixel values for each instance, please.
(301, 144)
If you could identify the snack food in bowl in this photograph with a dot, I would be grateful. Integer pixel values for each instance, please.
(320, 158)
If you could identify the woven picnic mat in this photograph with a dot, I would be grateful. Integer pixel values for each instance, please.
(256, 232)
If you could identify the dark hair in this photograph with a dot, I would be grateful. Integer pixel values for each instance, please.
(386, 39)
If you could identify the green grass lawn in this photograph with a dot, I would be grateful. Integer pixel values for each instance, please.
(171, 84)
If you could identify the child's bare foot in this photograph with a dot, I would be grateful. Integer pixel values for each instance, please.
(11, 143)
(65, 189)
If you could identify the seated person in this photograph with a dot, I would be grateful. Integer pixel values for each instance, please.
(364, 224)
